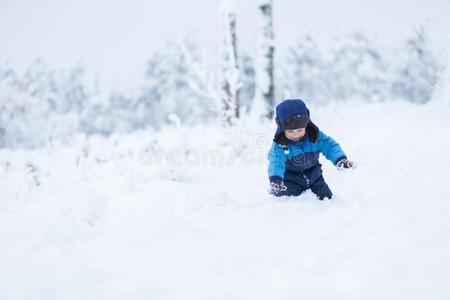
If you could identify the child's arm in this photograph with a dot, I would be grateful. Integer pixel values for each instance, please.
(330, 148)
(277, 163)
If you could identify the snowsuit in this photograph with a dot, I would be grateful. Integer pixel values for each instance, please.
(296, 164)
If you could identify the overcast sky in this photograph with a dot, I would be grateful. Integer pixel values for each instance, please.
(114, 38)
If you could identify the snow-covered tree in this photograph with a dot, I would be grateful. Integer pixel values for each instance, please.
(264, 101)
(169, 87)
(247, 71)
(357, 69)
(304, 72)
(230, 74)
(40, 104)
(418, 72)
(167, 91)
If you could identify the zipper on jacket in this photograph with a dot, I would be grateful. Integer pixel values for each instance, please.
(307, 180)
(304, 165)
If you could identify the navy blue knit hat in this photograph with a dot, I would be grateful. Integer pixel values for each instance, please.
(293, 114)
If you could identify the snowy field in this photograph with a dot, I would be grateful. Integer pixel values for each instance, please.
(184, 214)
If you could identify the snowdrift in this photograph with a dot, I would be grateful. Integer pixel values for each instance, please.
(183, 213)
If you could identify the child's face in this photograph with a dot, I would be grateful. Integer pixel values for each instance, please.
(295, 134)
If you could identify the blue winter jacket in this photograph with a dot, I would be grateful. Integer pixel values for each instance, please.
(299, 161)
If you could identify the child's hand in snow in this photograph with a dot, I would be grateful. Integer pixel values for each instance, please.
(276, 187)
(344, 164)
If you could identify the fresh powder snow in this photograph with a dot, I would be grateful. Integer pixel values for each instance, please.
(183, 213)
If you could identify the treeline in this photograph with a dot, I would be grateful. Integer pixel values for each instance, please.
(42, 103)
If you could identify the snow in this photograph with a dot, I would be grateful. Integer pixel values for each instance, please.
(227, 7)
(97, 218)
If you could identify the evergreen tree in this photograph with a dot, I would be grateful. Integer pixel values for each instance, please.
(418, 72)
(357, 70)
(304, 72)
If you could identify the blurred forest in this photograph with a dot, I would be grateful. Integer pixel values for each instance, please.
(44, 103)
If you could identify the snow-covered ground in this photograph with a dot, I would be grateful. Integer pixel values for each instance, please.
(183, 214)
